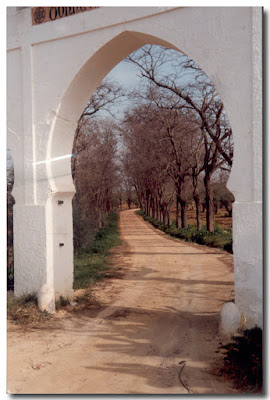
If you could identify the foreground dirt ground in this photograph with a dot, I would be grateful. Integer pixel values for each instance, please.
(163, 310)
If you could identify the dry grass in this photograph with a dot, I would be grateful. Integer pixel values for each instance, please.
(87, 304)
(24, 311)
(25, 314)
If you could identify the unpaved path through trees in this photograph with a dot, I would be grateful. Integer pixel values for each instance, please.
(166, 311)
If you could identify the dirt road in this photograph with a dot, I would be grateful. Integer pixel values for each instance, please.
(165, 311)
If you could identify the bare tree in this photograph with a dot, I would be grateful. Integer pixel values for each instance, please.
(197, 95)
(145, 160)
(93, 163)
(161, 158)
(97, 168)
(106, 95)
(184, 148)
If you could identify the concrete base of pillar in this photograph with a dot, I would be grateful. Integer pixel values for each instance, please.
(230, 319)
(30, 251)
(248, 266)
(46, 299)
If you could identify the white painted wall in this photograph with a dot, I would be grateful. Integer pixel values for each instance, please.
(53, 69)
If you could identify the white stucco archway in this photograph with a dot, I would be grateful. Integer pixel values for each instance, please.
(52, 70)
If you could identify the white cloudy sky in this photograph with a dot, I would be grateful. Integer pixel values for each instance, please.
(126, 74)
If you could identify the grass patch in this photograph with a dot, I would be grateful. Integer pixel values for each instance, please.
(24, 310)
(91, 263)
(10, 279)
(220, 238)
(61, 302)
(243, 360)
(87, 304)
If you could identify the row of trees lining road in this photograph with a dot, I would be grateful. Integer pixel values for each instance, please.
(183, 109)
(95, 170)
(172, 148)
(162, 151)
(173, 139)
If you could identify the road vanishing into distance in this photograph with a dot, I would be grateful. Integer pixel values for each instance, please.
(158, 334)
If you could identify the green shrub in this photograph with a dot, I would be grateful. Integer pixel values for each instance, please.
(84, 226)
(220, 238)
(140, 212)
(61, 302)
(90, 263)
(229, 246)
(243, 360)
(10, 279)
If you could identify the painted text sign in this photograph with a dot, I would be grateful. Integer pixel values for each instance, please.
(46, 14)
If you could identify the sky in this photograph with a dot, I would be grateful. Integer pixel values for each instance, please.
(126, 74)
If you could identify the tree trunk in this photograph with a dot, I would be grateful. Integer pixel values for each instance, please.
(198, 211)
(165, 213)
(183, 213)
(139, 197)
(99, 219)
(168, 217)
(209, 203)
(108, 205)
(159, 211)
(147, 207)
(177, 211)
(229, 210)
(164, 217)
(143, 204)
(153, 208)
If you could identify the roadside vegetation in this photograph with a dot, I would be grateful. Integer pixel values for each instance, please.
(243, 361)
(90, 266)
(91, 262)
(220, 238)
(24, 310)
